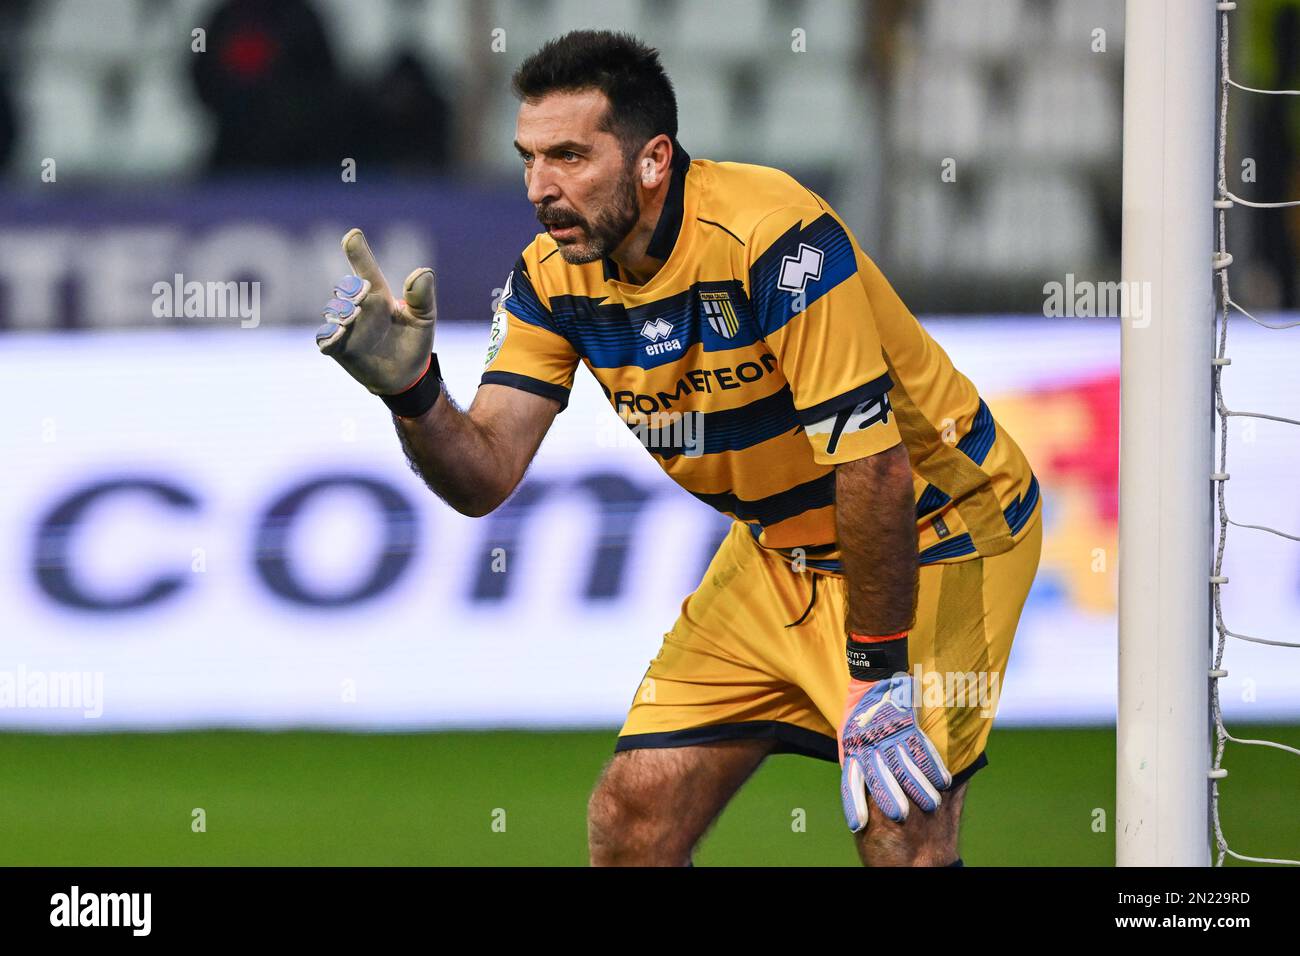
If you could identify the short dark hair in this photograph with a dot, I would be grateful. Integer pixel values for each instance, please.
(642, 103)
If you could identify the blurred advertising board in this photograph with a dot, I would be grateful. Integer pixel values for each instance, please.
(218, 526)
(83, 260)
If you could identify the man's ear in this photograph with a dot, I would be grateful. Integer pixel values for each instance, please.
(650, 164)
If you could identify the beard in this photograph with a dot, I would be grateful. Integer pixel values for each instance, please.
(611, 225)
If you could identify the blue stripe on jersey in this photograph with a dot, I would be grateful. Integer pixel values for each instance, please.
(1017, 515)
(730, 429)
(1018, 511)
(588, 323)
(931, 499)
(524, 302)
(952, 548)
(609, 335)
(824, 565)
(774, 306)
(975, 444)
(817, 493)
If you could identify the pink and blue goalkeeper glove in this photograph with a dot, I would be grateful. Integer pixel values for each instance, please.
(884, 753)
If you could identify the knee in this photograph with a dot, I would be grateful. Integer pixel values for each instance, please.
(891, 848)
(925, 839)
(622, 831)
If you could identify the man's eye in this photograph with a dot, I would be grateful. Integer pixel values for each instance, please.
(527, 158)
(569, 156)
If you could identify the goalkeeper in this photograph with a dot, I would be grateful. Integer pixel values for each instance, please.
(887, 528)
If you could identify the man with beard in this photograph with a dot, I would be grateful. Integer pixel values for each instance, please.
(884, 521)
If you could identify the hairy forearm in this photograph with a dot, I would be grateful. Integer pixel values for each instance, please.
(455, 456)
(875, 509)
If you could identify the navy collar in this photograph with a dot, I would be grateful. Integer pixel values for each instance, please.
(669, 226)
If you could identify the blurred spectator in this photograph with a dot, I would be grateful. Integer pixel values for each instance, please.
(412, 119)
(269, 78)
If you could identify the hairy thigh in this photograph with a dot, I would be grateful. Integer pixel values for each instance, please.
(651, 806)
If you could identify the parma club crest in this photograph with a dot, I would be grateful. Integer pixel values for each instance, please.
(720, 312)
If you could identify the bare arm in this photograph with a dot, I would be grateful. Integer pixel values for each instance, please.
(876, 524)
(474, 459)
(875, 518)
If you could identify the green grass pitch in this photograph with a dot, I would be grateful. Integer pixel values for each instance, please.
(307, 798)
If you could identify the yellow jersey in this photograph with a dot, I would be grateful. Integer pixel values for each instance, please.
(765, 351)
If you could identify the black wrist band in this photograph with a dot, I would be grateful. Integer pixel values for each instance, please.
(421, 396)
(873, 661)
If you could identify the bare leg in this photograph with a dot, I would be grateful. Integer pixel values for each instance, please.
(923, 839)
(651, 806)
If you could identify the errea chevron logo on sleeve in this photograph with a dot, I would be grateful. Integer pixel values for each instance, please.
(797, 270)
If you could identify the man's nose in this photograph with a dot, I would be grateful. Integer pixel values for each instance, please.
(542, 184)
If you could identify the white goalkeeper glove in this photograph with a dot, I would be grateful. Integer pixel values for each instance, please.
(386, 344)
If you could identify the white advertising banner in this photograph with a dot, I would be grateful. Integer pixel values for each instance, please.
(218, 528)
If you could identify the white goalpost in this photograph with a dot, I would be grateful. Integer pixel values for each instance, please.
(1166, 431)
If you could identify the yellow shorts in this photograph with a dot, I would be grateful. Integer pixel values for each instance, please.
(734, 668)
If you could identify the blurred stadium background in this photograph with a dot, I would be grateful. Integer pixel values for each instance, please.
(280, 627)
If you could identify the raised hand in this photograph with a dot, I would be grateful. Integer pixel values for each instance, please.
(383, 342)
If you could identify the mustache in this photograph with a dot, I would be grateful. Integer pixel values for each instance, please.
(559, 218)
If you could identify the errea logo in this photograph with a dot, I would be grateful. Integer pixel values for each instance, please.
(797, 270)
(656, 330)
